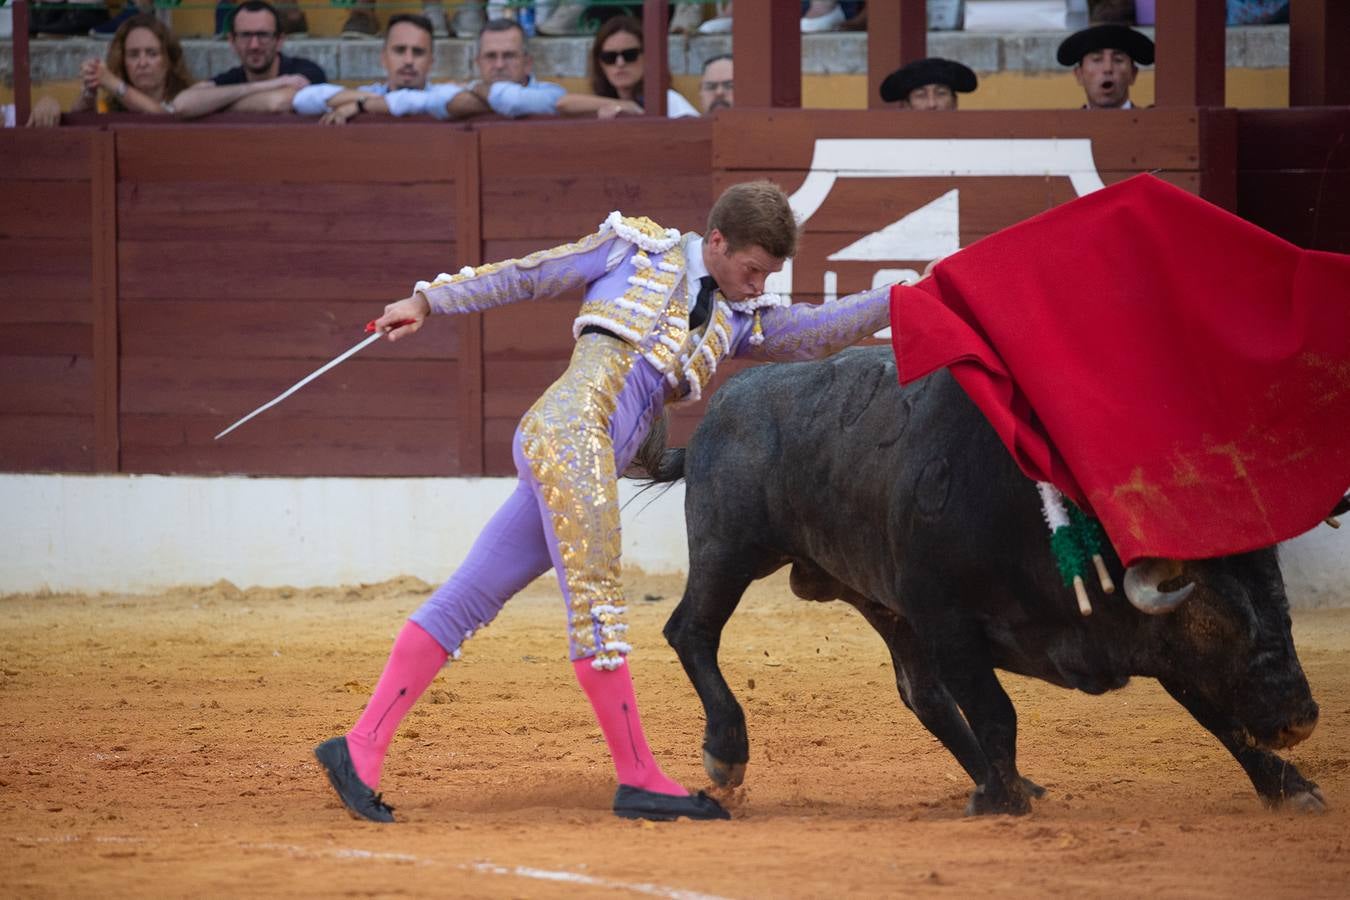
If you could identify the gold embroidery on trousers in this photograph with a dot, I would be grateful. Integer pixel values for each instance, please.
(566, 439)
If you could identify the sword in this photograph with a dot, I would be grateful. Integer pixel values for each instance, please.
(374, 336)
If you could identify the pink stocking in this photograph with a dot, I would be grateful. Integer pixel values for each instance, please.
(611, 696)
(412, 666)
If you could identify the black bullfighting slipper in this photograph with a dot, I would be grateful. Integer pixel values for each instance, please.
(635, 803)
(360, 800)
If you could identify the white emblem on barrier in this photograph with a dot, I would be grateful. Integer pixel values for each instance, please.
(933, 230)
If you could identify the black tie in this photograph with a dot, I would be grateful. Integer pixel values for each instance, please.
(699, 314)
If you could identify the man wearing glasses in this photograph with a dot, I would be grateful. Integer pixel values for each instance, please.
(715, 91)
(267, 79)
(506, 84)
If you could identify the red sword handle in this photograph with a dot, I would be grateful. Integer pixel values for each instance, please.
(370, 326)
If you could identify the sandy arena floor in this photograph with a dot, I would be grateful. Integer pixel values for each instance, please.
(161, 746)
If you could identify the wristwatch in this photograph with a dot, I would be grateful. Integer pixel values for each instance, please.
(361, 104)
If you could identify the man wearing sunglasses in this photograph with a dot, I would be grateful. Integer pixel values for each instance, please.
(266, 79)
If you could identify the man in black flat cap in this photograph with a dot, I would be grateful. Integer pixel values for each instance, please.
(928, 84)
(1106, 60)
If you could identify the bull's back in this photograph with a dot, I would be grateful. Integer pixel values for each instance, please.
(833, 462)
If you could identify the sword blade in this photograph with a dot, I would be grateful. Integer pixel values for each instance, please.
(304, 381)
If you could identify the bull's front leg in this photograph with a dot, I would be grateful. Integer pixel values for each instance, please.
(1276, 780)
(695, 632)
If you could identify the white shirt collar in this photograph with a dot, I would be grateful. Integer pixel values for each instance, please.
(1128, 104)
(693, 259)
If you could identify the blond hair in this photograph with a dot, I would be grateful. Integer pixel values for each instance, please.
(755, 213)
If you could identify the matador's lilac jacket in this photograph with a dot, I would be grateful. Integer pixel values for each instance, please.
(634, 275)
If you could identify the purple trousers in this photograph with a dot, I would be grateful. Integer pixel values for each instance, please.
(569, 450)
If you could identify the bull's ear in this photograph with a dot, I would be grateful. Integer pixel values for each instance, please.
(1341, 508)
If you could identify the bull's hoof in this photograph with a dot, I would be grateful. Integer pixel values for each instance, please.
(1309, 801)
(1032, 788)
(984, 802)
(723, 774)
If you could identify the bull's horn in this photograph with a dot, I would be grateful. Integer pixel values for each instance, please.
(1141, 586)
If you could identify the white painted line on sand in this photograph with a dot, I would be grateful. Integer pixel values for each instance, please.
(482, 868)
(655, 890)
(490, 868)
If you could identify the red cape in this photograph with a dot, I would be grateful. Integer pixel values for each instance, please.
(1177, 371)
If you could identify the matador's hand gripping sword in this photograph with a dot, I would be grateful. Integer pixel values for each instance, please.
(374, 336)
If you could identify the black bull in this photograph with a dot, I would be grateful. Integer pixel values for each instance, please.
(903, 503)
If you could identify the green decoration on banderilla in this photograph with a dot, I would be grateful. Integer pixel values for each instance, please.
(1076, 540)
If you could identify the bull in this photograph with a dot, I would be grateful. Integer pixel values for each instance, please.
(903, 503)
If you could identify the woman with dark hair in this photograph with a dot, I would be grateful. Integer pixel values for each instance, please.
(617, 67)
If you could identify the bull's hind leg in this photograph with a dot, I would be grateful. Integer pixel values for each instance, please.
(993, 718)
(916, 676)
(717, 580)
(928, 696)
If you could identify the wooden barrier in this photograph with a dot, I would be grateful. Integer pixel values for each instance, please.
(249, 256)
(157, 283)
(49, 387)
(1294, 174)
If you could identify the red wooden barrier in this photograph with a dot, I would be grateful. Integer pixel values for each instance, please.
(157, 283)
(47, 371)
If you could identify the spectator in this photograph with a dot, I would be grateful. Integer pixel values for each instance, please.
(255, 33)
(144, 73)
(617, 67)
(715, 89)
(265, 80)
(928, 84)
(1105, 60)
(508, 87)
(409, 51)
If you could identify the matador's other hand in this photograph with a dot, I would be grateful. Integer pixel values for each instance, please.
(404, 317)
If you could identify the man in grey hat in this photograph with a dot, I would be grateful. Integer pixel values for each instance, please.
(931, 83)
(1106, 60)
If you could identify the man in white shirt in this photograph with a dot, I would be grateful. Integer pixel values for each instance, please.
(407, 57)
(508, 87)
(1106, 60)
